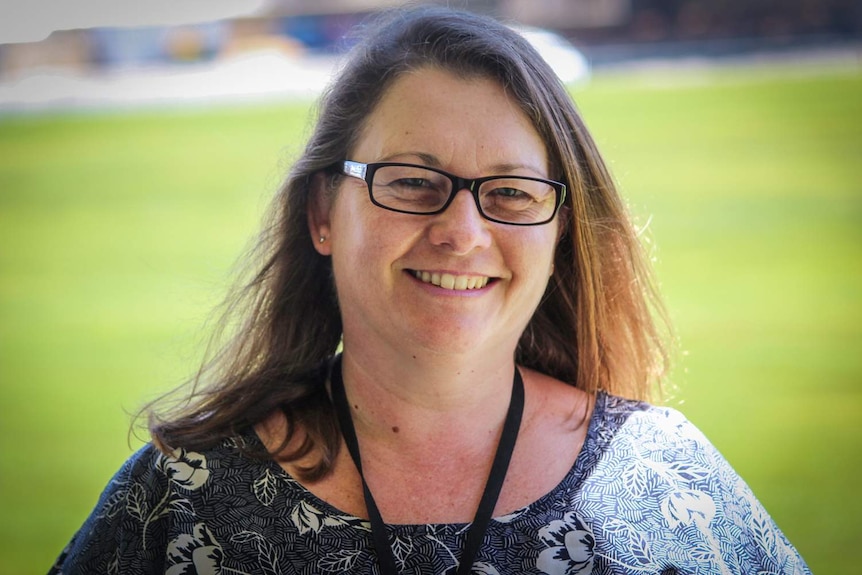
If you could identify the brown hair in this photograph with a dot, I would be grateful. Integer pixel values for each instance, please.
(594, 327)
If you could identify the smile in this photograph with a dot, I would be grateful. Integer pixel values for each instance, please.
(451, 281)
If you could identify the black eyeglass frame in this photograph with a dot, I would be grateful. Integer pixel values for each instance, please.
(366, 173)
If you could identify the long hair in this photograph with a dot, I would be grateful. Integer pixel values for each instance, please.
(594, 327)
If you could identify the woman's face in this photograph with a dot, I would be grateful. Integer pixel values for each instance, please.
(394, 272)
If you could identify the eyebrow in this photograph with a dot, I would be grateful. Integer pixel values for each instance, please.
(432, 161)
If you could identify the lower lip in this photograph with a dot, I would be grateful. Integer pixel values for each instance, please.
(437, 290)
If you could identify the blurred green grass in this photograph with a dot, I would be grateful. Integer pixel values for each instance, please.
(118, 233)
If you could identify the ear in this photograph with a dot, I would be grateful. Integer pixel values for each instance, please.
(564, 220)
(319, 205)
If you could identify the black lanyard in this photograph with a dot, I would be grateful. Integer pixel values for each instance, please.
(492, 488)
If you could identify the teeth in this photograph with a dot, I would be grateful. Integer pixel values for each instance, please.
(453, 282)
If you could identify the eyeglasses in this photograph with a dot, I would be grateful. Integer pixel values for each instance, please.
(412, 189)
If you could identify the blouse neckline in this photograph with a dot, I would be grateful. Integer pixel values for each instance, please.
(574, 477)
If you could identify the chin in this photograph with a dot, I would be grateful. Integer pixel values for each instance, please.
(458, 341)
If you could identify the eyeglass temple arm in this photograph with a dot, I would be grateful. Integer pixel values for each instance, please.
(354, 169)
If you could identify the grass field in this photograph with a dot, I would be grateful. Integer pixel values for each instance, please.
(118, 234)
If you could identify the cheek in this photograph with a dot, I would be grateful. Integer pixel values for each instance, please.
(536, 264)
(352, 243)
(349, 219)
(537, 248)
(365, 238)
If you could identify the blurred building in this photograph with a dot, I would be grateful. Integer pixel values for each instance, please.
(321, 26)
(643, 20)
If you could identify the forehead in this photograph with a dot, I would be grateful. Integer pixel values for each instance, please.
(459, 119)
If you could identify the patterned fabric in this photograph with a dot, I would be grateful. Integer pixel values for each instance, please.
(648, 494)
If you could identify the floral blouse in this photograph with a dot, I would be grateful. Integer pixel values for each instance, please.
(648, 494)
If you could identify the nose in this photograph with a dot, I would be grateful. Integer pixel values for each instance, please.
(461, 228)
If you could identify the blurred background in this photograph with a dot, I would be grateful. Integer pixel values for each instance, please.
(139, 146)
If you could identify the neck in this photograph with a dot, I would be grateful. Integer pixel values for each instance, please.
(426, 398)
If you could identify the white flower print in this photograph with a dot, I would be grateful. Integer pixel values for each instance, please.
(307, 518)
(571, 547)
(626, 507)
(688, 508)
(188, 469)
(195, 554)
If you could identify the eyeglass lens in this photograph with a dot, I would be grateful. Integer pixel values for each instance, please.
(418, 190)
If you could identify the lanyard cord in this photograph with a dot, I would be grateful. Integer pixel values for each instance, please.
(489, 497)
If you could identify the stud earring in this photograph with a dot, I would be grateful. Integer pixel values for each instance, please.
(322, 239)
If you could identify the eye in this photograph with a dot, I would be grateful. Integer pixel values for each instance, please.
(517, 200)
(513, 193)
(511, 197)
(409, 188)
(412, 183)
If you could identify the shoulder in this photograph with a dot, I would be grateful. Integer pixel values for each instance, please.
(650, 470)
(181, 468)
(654, 427)
(551, 402)
(635, 441)
(150, 496)
(607, 415)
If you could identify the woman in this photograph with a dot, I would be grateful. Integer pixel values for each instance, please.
(451, 225)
